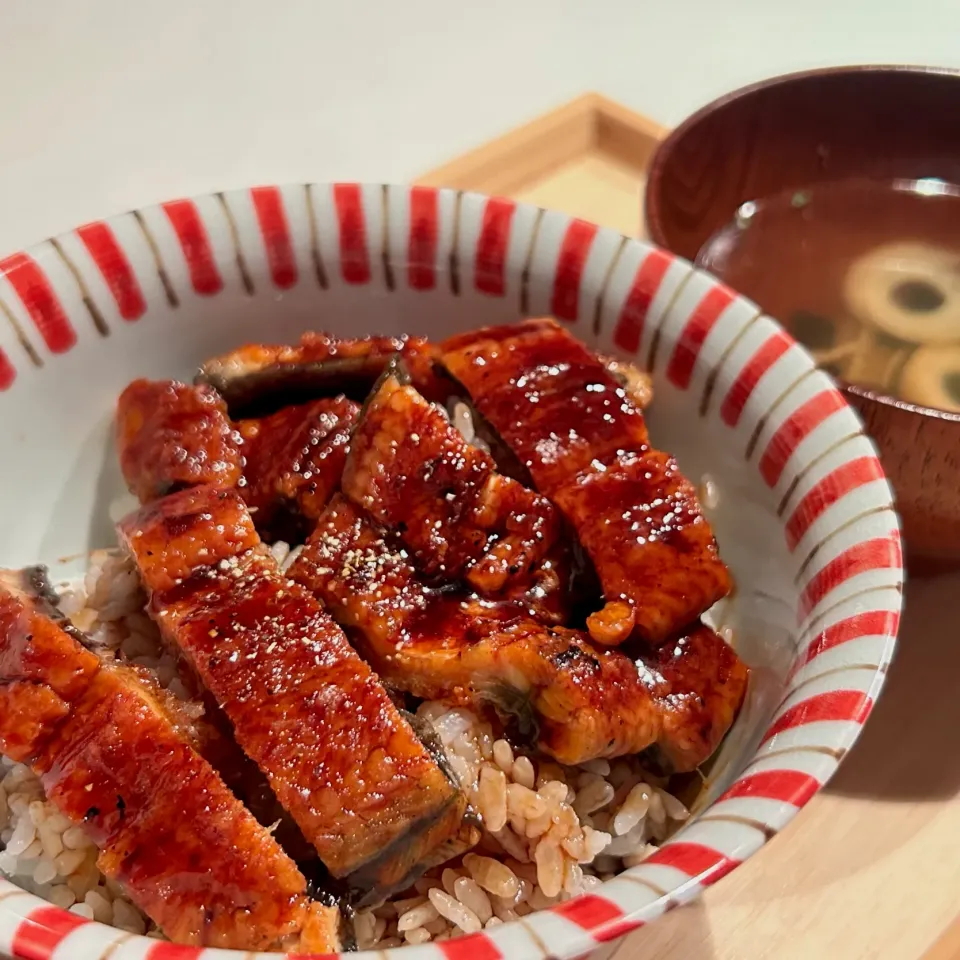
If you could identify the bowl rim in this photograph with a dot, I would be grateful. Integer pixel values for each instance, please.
(653, 216)
(587, 921)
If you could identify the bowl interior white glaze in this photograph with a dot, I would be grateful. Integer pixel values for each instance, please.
(804, 517)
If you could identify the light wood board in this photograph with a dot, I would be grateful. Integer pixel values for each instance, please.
(870, 868)
(588, 159)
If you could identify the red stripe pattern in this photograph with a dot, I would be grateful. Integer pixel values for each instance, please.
(195, 243)
(599, 916)
(882, 553)
(633, 317)
(8, 372)
(268, 204)
(565, 302)
(174, 951)
(354, 256)
(788, 786)
(834, 705)
(40, 301)
(422, 243)
(704, 863)
(868, 624)
(42, 931)
(115, 269)
(771, 350)
(700, 323)
(833, 487)
(473, 947)
(491, 259)
(799, 425)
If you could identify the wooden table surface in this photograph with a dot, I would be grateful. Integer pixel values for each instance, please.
(871, 866)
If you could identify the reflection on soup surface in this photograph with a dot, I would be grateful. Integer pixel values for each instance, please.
(865, 274)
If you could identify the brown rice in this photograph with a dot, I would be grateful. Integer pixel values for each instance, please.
(550, 831)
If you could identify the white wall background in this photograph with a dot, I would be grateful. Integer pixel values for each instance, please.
(108, 104)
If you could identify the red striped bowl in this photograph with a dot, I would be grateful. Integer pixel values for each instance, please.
(805, 516)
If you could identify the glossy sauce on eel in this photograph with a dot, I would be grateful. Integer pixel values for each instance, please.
(117, 760)
(428, 569)
(414, 472)
(585, 443)
(410, 470)
(339, 755)
(556, 685)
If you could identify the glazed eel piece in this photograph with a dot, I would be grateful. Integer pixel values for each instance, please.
(115, 757)
(286, 465)
(576, 701)
(400, 437)
(293, 461)
(256, 379)
(413, 471)
(460, 515)
(171, 435)
(585, 443)
(339, 755)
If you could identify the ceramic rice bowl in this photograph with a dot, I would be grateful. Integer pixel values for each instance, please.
(799, 504)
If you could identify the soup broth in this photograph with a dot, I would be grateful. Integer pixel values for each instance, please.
(865, 274)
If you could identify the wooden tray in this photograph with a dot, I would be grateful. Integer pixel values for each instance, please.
(588, 159)
(870, 868)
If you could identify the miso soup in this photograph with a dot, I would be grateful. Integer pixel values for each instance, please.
(865, 274)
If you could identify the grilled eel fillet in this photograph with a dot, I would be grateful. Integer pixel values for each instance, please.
(286, 465)
(338, 754)
(117, 760)
(577, 701)
(170, 436)
(257, 378)
(294, 459)
(413, 471)
(561, 410)
(397, 411)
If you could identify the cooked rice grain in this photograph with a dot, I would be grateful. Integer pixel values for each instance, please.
(551, 832)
